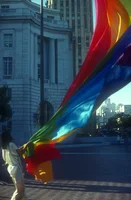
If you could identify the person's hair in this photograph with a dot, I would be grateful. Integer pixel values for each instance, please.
(6, 138)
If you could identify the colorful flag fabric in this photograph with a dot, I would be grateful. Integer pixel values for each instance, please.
(127, 6)
(112, 21)
(118, 77)
(106, 69)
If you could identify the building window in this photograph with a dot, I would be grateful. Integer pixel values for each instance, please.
(87, 38)
(67, 3)
(78, 14)
(79, 39)
(5, 8)
(79, 23)
(80, 61)
(87, 41)
(78, 8)
(55, 5)
(38, 71)
(62, 16)
(78, 3)
(46, 59)
(50, 17)
(61, 9)
(79, 50)
(73, 10)
(73, 14)
(61, 3)
(73, 25)
(7, 67)
(85, 21)
(67, 12)
(8, 40)
(87, 44)
(85, 9)
(67, 20)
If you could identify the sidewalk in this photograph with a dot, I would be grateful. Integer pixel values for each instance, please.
(93, 173)
(71, 190)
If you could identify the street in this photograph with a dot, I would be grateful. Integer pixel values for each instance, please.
(92, 172)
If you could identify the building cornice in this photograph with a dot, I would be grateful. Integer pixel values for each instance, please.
(54, 26)
(47, 27)
(30, 4)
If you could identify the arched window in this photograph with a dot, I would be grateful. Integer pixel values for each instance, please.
(49, 111)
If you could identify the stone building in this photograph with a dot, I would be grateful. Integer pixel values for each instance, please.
(20, 62)
(127, 109)
(79, 14)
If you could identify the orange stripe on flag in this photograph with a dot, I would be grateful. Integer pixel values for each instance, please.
(44, 172)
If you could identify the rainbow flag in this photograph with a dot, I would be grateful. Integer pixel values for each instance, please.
(127, 5)
(106, 69)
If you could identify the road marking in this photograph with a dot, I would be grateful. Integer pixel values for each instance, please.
(93, 153)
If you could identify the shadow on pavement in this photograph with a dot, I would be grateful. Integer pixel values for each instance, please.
(3, 197)
(83, 187)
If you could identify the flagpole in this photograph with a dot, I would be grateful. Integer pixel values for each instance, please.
(41, 66)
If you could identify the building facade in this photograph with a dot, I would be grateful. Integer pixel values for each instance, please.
(79, 14)
(20, 62)
(105, 111)
(127, 109)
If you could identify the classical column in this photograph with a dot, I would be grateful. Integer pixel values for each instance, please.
(35, 57)
(52, 60)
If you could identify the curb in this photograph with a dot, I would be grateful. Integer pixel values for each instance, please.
(81, 145)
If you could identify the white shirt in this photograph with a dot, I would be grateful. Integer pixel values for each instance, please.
(11, 157)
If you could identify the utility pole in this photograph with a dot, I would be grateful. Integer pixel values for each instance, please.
(41, 67)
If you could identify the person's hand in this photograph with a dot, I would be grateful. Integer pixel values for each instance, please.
(23, 148)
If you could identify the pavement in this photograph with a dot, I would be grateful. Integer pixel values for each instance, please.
(72, 190)
(83, 173)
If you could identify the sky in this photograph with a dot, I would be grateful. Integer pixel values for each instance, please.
(122, 96)
(38, 1)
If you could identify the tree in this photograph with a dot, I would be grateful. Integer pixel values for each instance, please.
(5, 116)
(119, 121)
(5, 108)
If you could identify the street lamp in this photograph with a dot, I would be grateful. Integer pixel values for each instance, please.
(41, 67)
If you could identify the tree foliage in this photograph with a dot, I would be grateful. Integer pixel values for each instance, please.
(5, 108)
(120, 120)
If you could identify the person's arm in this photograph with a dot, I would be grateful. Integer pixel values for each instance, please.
(21, 150)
